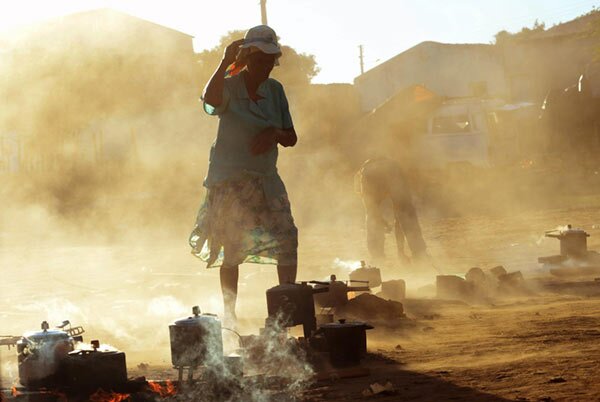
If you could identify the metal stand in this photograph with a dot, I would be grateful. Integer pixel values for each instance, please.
(190, 376)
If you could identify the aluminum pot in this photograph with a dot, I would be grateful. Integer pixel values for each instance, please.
(573, 242)
(196, 340)
(96, 367)
(41, 356)
(365, 273)
(346, 342)
(337, 295)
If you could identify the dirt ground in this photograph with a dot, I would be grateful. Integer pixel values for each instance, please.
(530, 350)
(538, 347)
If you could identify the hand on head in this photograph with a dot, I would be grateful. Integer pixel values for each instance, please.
(231, 51)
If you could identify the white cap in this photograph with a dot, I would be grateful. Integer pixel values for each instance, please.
(264, 38)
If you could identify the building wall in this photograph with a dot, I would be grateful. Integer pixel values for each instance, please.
(99, 68)
(111, 41)
(448, 70)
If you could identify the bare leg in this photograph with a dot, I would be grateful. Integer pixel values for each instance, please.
(287, 273)
(229, 287)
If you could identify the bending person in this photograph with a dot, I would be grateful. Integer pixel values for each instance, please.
(380, 180)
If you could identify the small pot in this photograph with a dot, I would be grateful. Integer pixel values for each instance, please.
(371, 275)
(96, 368)
(337, 295)
(292, 304)
(346, 342)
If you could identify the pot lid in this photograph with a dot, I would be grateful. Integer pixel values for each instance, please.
(85, 352)
(343, 324)
(46, 334)
(197, 318)
(290, 286)
(573, 231)
(51, 334)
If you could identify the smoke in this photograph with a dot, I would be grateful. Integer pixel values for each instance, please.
(346, 266)
(112, 148)
(269, 366)
(164, 306)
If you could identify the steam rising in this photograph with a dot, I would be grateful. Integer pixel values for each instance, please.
(346, 266)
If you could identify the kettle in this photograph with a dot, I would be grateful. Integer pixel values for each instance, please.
(41, 356)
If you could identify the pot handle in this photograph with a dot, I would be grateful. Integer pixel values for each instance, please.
(357, 281)
(358, 289)
(553, 233)
(319, 283)
(320, 290)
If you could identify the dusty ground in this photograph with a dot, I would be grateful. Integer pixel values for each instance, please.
(541, 347)
(530, 350)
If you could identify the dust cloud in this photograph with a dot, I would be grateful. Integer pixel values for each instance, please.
(112, 148)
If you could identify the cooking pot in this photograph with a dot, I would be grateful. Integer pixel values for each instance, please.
(337, 295)
(41, 355)
(292, 304)
(366, 273)
(96, 367)
(346, 342)
(573, 242)
(196, 340)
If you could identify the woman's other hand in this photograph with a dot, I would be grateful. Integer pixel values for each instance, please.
(264, 141)
(267, 138)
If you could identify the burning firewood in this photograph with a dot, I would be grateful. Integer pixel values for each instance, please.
(163, 390)
(103, 396)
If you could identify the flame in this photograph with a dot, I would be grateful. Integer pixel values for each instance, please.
(167, 390)
(103, 396)
(14, 391)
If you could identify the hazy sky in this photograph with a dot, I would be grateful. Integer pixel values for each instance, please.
(329, 29)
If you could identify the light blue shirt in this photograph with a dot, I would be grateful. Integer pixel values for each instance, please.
(240, 119)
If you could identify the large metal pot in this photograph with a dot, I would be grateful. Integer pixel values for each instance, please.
(346, 342)
(41, 356)
(292, 304)
(96, 367)
(196, 340)
(573, 242)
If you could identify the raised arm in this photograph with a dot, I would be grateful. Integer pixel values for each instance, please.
(213, 92)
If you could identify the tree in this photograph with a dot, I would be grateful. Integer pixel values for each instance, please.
(296, 69)
(504, 37)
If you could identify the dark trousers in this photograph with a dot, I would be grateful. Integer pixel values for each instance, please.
(406, 222)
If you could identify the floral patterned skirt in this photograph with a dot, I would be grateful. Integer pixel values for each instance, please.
(236, 224)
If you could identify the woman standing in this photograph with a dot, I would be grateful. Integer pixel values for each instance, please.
(246, 215)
